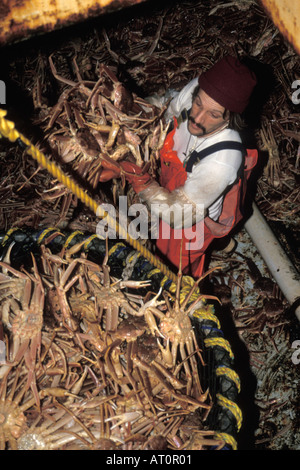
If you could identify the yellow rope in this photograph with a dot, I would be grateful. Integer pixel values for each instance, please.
(89, 241)
(7, 129)
(45, 233)
(227, 438)
(230, 405)
(223, 343)
(231, 374)
(114, 248)
(8, 234)
(207, 313)
(164, 281)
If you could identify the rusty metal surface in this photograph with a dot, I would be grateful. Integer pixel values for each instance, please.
(285, 14)
(21, 19)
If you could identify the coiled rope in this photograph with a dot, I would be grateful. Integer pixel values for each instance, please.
(8, 130)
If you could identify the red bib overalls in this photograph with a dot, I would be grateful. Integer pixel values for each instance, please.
(174, 175)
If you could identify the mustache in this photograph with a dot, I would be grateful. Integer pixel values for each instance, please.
(198, 125)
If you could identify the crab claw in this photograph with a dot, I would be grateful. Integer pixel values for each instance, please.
(134, 284)
(166, 353)
(147, 311)
(129, 417)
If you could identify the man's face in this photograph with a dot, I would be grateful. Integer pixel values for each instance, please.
(206, 115)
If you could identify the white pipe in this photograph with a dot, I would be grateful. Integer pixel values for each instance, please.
(278, 263)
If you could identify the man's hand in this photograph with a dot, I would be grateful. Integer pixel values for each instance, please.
(136, 176)
(110, 169)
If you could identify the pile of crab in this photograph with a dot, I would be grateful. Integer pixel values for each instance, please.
(88, 362)
(99, 121)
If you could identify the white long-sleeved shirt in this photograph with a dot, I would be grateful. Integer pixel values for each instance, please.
(210, 177)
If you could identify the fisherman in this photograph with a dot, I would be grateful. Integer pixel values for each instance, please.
(202, 165)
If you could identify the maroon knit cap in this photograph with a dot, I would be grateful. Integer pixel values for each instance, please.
(230, 83)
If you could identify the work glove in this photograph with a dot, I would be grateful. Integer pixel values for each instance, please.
(136, 176)
(110, 169)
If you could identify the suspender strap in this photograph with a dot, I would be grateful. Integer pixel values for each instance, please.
(195, 156)
(183, 116)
